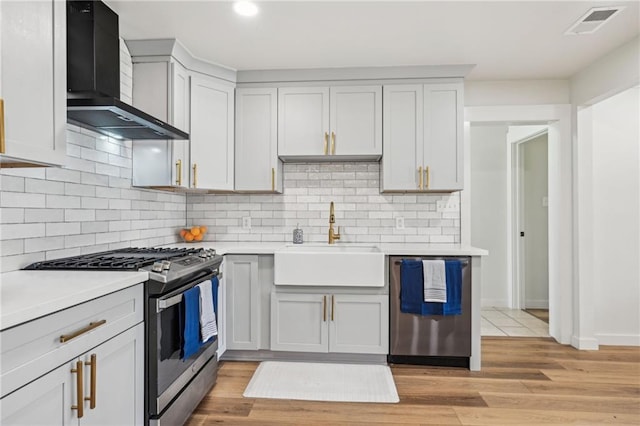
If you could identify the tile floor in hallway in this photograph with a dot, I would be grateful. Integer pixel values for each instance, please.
(511, 322)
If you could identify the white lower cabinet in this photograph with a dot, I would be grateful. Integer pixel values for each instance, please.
(242, 302)
(338, 323)
(112, 388)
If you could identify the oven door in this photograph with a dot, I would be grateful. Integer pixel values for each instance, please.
(168, 374)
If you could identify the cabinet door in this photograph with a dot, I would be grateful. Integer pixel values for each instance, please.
(45, 401)
(179, 117)
(403, 149)
(243, 293)
(359, 324)
(211, 134)
(443, 135)
(356, 121)
(299, 322)
(33, 82)
(303, 121)
(119, 380)
(257, 165)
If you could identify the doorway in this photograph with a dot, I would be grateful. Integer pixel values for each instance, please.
(530, 235)
(508, 172)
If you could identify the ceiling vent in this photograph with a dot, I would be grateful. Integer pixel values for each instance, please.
(591, 21)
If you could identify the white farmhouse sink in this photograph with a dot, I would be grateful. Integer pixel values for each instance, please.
(329, 265)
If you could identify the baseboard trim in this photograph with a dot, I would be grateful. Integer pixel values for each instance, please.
(619, 339)
(584, 343)
(536, 304)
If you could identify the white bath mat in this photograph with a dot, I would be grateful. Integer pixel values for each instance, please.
(322, 382)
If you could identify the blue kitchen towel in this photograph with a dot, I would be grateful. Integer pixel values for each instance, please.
(191, 331)
(453, 270)
(215, 284)
(411, 294)
(412, 290)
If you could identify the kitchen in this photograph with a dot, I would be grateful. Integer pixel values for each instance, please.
(90, 205)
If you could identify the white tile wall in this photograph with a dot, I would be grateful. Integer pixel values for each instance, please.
(364, 215)
(88, 205)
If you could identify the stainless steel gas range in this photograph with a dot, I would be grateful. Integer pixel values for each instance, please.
(174, 386)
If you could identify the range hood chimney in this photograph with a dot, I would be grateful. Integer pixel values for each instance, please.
(93, 78)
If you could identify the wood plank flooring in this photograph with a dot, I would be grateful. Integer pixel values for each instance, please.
(524, 381)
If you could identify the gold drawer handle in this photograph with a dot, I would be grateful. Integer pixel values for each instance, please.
(92, 390)
(333, 305)
(179, 172)
(195, 175)
(79, 391)
(326, 142)
(333, 143)
(324, 308)
(273, 179)
(427, 176)
(420, 174)
(2, 142)
(91, 326)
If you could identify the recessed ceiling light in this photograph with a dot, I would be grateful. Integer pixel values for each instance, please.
(593, 20)
(245, 8)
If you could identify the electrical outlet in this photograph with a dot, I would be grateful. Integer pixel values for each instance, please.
(447, 206)
(399, 222)
(246, 222)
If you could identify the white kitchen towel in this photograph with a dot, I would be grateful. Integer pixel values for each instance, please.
(208, 326)
(435, 281)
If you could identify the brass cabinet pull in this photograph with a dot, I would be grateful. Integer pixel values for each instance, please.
(179, 172)
(79, 391)
(333, 305)
(324, 308)
(2, 146)
(91, 326)
(420, 174)
(195, 175)
(333, 143)
(427, 176)
(273, 179)
(326, 142)
(92, 387)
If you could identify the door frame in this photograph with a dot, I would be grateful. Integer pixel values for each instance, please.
(517, 254)
(560, 144)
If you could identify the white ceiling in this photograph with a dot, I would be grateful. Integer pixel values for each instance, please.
(505, 39)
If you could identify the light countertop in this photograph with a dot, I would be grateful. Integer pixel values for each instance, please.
(27, 295)
(391, 249)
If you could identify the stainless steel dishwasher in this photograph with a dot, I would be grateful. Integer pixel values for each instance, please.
(433, 339)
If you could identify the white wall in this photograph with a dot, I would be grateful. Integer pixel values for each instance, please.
(516, 92)
(608, 75)
(616, 218)
(489, 209)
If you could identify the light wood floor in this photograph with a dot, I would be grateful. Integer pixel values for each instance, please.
(523, 381)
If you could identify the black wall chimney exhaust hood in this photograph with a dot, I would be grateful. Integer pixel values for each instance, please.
(93, 78)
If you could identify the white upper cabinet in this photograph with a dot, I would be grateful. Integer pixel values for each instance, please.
(212, 133)
(356, 121)
(337, 123)
(257, 167)
(162, 89)
(33, 83)
(423, 138)
(303, 121)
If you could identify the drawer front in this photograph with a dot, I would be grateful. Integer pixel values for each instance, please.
(36, 347)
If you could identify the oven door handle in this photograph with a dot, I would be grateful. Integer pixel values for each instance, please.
(166, 303)
(162, 304)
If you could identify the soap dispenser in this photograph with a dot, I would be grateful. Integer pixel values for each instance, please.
(297, 235)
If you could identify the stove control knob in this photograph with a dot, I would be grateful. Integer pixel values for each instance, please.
(166, 265)
(157, 267)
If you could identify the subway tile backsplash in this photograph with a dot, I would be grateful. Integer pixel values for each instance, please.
(363, 214)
